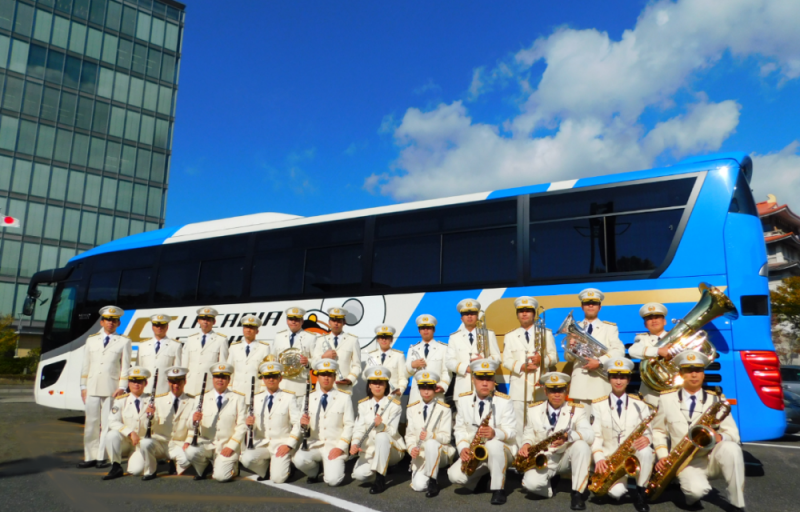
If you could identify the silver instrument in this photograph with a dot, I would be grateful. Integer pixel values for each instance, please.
(327, 346)
(585, 346)
(435, 424)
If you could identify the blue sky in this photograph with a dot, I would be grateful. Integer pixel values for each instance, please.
(319, 107)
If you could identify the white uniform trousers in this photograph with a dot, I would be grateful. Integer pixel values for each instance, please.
(646, 458)
(432, 457)
(577, 458)
(98, 409)
(204, 453)
(150, 450)
(308, 462)
(496, 465)
(256, 460)
(119, 446)
(726, 461)
(383, 456)
(178, 456)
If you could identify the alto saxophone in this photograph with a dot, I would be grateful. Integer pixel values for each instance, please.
(477, 448)
(701, 437)
(623, 461)
(536, 454)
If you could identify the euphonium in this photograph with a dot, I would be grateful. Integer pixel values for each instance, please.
(477, 448)
(622, 462)
(585, 347)
(659, 373)
(701, 437)
(537, 457)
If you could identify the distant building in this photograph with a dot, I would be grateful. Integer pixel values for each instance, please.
(782, 236)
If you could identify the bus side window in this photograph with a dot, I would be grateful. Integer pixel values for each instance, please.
(103, 288)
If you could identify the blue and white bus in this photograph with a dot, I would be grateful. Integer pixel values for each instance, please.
(641, 236)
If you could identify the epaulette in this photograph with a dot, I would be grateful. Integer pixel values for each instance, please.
(501, 395)
(440, 342)
(412, 405)
(363, 399)
(221, 334)
(609, 323)
(288, 391)
(345, 392)
(263, 342)
(512, 330)
(635, 396)
(465, 394)
(398, 351)
(642, 334)
(95, 334)
(351, 335)
(575, 404)
(601, 399)
(396, 401)
(455, 332)
(124, 395)
(441, 402)
(238, 393)
(712, 393)
(236, 342)
(283, 331)
(210, 390)
(669, 391)
(162, 394)
(123, 336)
(259, 392)
(534, 404)
(190, 396)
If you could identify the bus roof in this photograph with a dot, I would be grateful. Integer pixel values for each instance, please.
(269, 221)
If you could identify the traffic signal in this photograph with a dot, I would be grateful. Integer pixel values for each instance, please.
(10, 222)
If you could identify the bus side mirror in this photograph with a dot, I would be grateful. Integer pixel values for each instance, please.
(28, 306)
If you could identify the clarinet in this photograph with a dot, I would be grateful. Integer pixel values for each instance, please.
(307, 428)
(419, 442)
(151, 404)
(196, 424)
(252, 413)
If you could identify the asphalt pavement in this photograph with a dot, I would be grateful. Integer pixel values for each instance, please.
(41, 446)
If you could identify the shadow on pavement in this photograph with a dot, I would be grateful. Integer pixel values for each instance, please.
(35, 465)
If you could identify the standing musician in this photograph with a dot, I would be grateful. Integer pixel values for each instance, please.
(499, 434)
(247, 355)
(390, 358)
(295, 338)
(127, 426)
(159, 352)
(377, 443)
(587, 382)
(330, 417)
(342, 347)
(104, 377)
(428, 434)
(201, 350)
(525, 359)
(222, 428)
(569, 452)
(429, 355)
(462, 347)
(644, 345)
(678, 410)
(173, 417)
(276, 428)
(616, 416)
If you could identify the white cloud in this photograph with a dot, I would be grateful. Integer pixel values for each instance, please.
(591, 97)
(779, 174)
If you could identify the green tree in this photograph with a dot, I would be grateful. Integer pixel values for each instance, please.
(786, 319)
(8, 336)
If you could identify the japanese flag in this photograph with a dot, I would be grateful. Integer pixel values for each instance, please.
(10, 222)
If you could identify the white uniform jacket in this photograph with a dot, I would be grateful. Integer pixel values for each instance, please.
(224, 427)
(396, 363)
(279, 426)
(571, 415)
(245, 367)
(105, 369)
(169, 425)
(198, 359)
(125, 418)
(169, 354)
(672, 421)
(610, 429)
(435, 362)
(644, 347)
(416, 423)
(588, 385)
(516, 350)
(305, 342)
(390, 411)
(460, 352)
(468, 419)
(348, 354)
(333, 426)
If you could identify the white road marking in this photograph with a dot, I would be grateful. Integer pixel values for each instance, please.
(775, 445)
(302, 491)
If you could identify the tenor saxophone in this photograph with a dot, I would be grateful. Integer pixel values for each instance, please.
(623, 461)
(701, 437)
(536, 454)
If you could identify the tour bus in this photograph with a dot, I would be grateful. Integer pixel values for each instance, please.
(652, 235)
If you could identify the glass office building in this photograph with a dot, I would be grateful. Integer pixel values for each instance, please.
(87, 106)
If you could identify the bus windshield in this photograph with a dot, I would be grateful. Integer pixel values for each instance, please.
(60, 331)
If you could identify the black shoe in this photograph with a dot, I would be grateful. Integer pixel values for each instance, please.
(433, 488)
(103, 464)
(173, 470)
(697, 505)
(313, 480)
(640, 500)
(498, 497)
(379, 485)
(116, 472)
(206, 473)
(146, 478)
(87, 464)
(262, 478)
(736, 509)
(577, 501)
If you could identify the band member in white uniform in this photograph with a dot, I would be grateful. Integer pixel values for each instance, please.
(588, 382)
(429, 355)
(104, 377)
(276, 428)
(570, 452)
(462, 347)
(525, 360)
(428, 435)
(173, 417)
(500, 433)
(376, 439)
(221, 428)
(342, 347)
(295, 338)
(159, 352)
(331, 419)
(644, 345)
(678, 410)
(616, 416)
(247, 355)
(127, 426)
(201, 350)
(390, 358)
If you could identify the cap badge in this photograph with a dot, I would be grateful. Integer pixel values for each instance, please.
(484, 365)
(651, 308)
(554, 378)
(326, 365)
(469, 304)
(424, 318)
(220, 367)
(176, 371)
(136, 371)
(377, 372)
(618, 363)
(426, 375)
(691, 357)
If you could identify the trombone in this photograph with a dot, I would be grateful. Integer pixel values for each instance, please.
(539, 342)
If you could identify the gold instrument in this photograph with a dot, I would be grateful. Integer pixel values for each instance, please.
(539, 342)
(290, 359)
(477, 448)
(482, 336)
(579, 344)
(622, 462)
(700, 438)
(537, 457)
(659, 373)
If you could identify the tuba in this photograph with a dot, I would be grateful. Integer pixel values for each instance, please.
(659, 373)
(585, 347)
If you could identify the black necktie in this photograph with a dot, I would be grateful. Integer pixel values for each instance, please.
(527, 337)
(480, 409)
(105, 343)
(376, 409)
(324, 402)
(335, 342)
(470, 338)
(247, 350)
(175, 404)
(158, 346)
(427, 346)
(552, 419)
(291, 340)
(219, 402)
(269, 404)
(590, 329)
(203, 342)
(691, 406)
(383, 358)
(619, 407)
(425, 413)
(136, 402)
